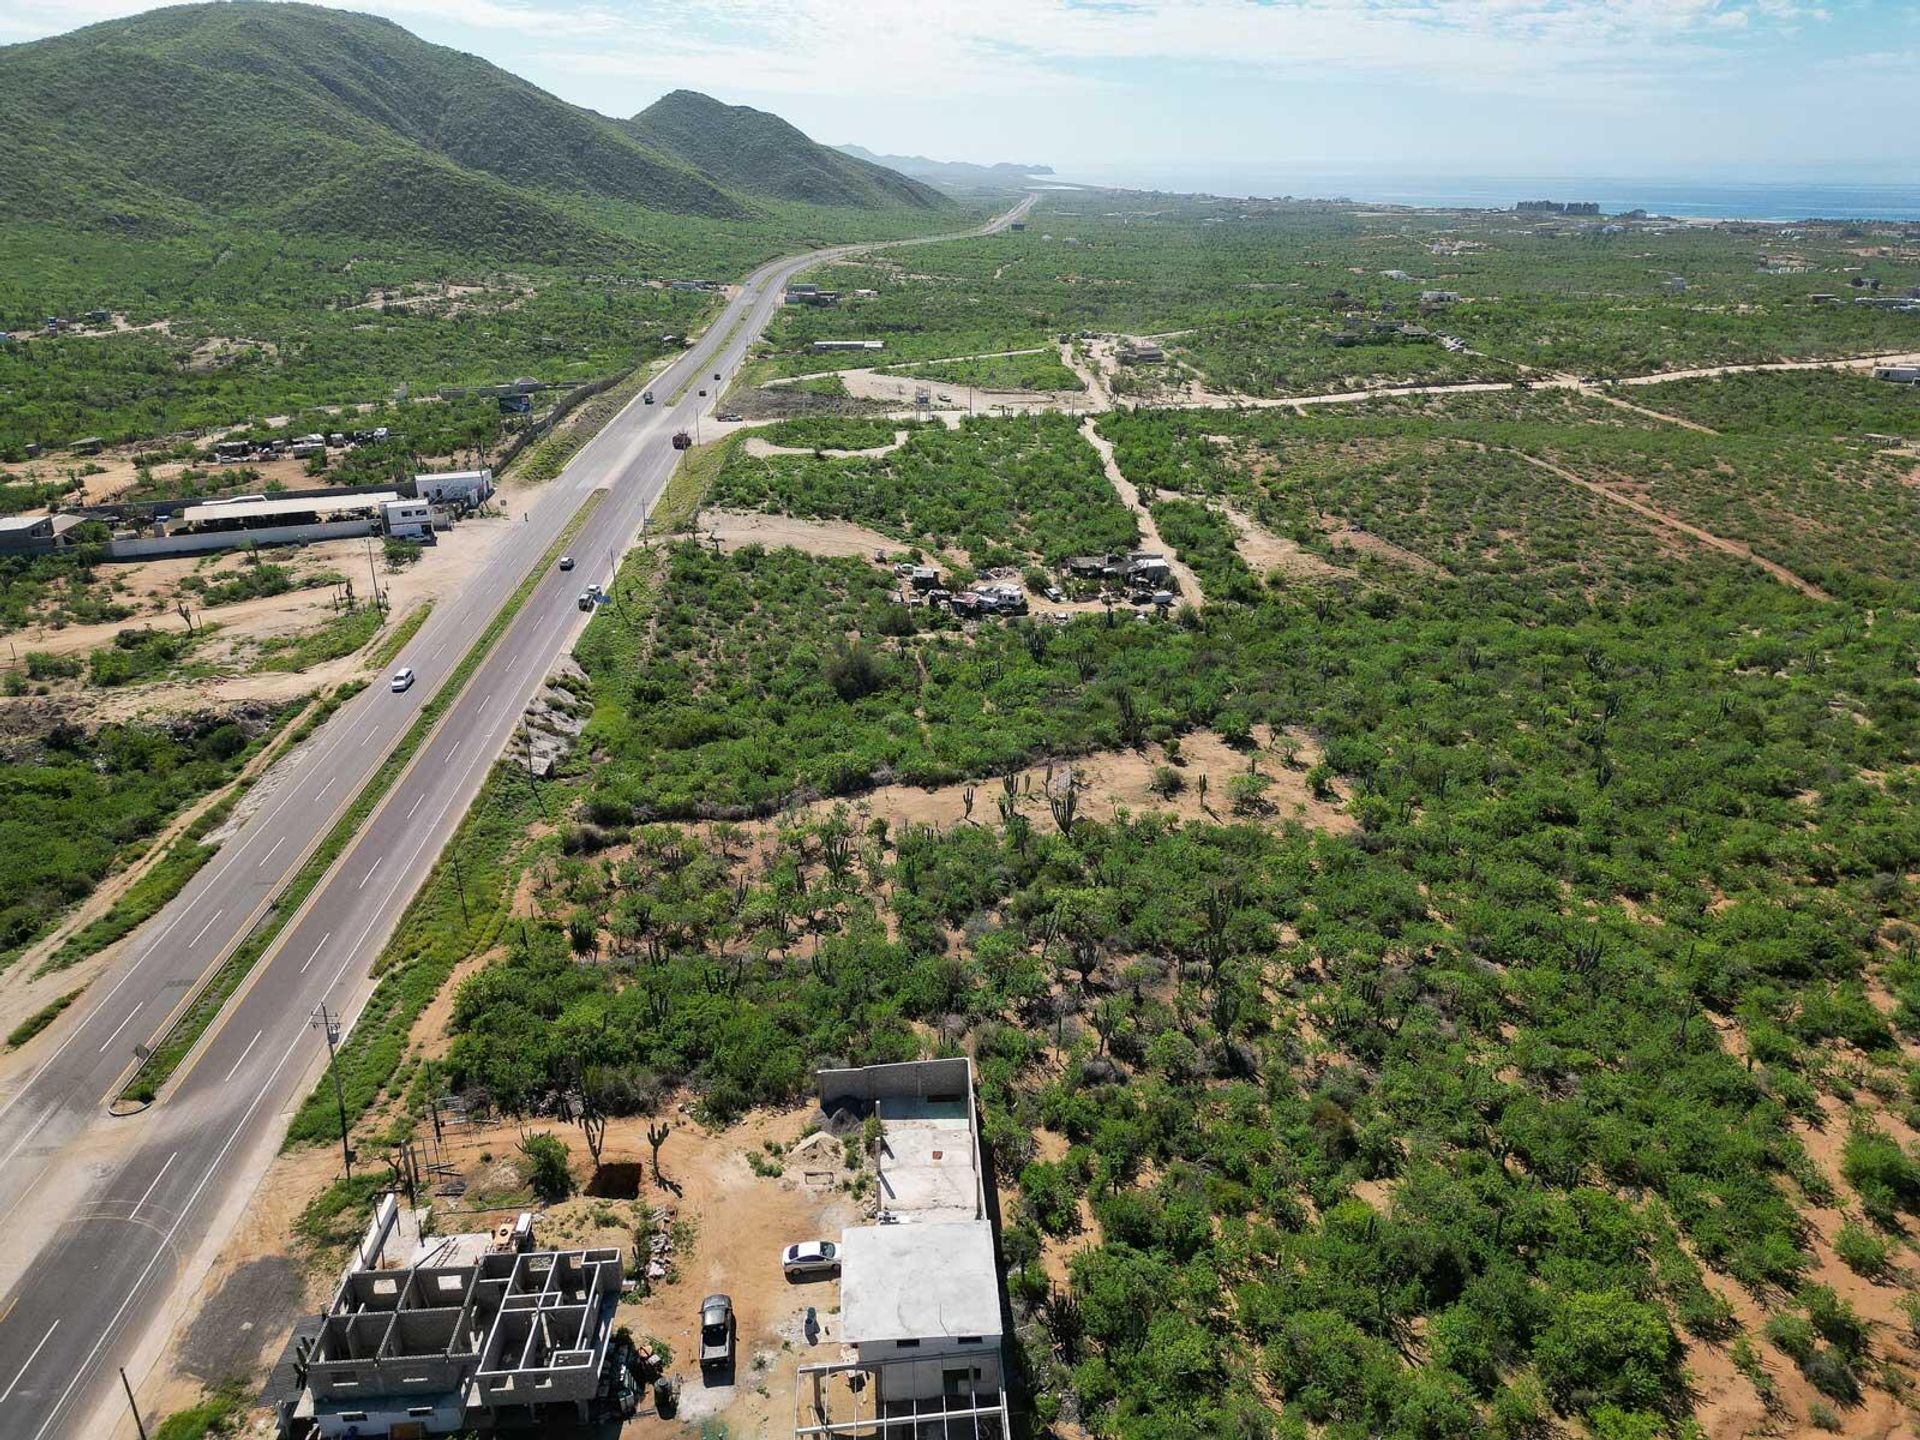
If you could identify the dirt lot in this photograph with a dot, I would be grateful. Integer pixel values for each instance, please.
(728, 1225)
(1116, 780)
(227, 657)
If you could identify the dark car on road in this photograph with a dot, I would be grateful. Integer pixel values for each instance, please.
(716, 1332)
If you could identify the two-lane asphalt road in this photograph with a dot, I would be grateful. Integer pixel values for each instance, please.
(91, 1275)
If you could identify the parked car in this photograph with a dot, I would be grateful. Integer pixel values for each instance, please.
(403, 679)
(566, 562)
(647, 399)
(716, 1332)
(585, 602)
(729, 416)
(1053, 594)
(810, 1257)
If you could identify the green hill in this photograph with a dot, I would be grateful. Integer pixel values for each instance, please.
(314, 121)
(762, 154)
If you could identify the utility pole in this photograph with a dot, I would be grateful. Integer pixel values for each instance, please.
(330, 1026)
(459, 882)
(138, 1424)
(374, 573)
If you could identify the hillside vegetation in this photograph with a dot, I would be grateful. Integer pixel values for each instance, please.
(762, 154)
(317, 122)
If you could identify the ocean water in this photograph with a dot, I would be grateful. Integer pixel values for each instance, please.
(1703, 199)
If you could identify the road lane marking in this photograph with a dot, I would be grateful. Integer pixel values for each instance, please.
(243, 1055)
(326, 787)
(316, 951)
(19, 1144)
(204, 928)
(121, 1026)
(416, 804)
(30, 1359)
(371, 869)
(269, 855)
(453, 752)
(147, 1194)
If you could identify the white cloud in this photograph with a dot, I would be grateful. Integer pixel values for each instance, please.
(993, 47)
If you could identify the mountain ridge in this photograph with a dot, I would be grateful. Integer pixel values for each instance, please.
(954, 174)
(755, 148)
(312, 120)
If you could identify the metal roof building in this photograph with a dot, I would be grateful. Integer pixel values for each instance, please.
(253, 514)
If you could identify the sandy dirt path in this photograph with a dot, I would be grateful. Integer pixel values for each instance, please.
(1660, 415)
(1669, 521)
(1099, 397)
(1190, 590)
(761, 449)
(1266, 552)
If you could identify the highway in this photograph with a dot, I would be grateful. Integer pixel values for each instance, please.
(103, 1214)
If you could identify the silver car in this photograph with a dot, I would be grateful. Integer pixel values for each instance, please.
(808, 1258)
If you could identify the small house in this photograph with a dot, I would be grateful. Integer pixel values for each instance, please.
(462, 489)
(35, 534)
(1439, 297)
(1146, 568)
(924, 577)
(1141, 354)
(408, 519)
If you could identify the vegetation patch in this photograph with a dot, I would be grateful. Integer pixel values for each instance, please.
(41, 1019)
(1005, 491)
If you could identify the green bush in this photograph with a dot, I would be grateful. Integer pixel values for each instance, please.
(547, 1169)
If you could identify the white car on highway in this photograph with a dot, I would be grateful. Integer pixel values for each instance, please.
(403, 679)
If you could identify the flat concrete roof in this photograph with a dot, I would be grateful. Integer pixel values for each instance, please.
(918, 1282)
(264, 509)
(927, 1171)
(22, 522)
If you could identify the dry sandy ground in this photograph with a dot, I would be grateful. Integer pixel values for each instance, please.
(735, 1223)
(1120, 781)
(867, 383)
(735, 529)
(444, 569)
(759, 448)
(1267, 553)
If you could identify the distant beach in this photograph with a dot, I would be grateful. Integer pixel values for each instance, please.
(1707, 199)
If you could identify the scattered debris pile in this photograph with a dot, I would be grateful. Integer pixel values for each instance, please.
(555, 717)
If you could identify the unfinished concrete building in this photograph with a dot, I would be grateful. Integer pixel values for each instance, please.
(432, 1349)
(921, 1309)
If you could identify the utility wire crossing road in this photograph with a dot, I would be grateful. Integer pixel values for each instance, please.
(105, 1215)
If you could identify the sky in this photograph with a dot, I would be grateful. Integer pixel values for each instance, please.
(1119, 90)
